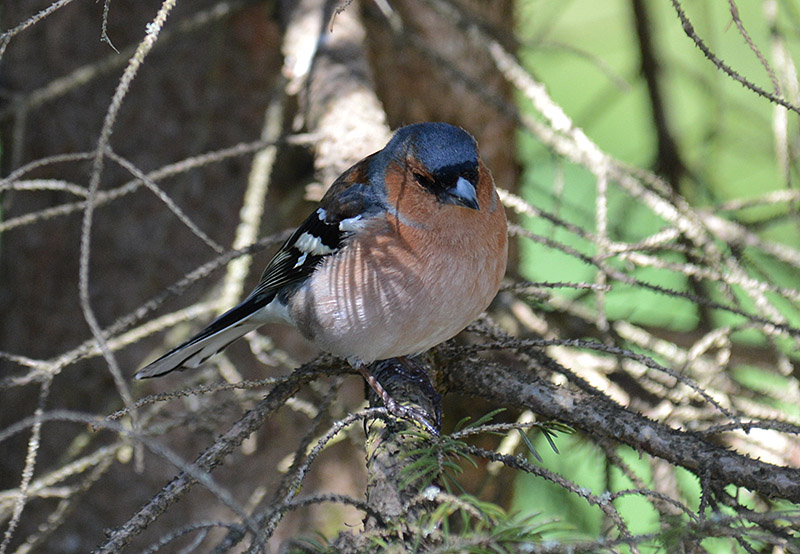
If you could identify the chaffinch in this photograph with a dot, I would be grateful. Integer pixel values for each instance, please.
(406, 248)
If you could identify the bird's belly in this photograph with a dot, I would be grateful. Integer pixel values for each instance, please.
(383, 309)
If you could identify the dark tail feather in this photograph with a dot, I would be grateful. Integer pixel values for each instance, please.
(221, 332)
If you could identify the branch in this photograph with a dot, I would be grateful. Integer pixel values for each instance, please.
(339, 102)
(214, 454)
(688, 28)
(668, 161)
(601, 417)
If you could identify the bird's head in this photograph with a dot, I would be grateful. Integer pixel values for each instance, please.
(441, 159)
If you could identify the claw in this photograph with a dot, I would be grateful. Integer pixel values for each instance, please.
(402, 372)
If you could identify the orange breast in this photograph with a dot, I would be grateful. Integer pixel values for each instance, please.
(408, 283)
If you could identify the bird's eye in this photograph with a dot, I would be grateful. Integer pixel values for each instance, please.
(424, 181)
(471, 176)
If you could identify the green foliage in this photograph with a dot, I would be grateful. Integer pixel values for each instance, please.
(435, 459)
(588, 56)
(308, 544)
(766, 387)
(482, 527)
(455, 522)
(578, 462)
(584, 464)
(440, 459)
(464, 523)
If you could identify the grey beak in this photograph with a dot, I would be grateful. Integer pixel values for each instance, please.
(463, 194)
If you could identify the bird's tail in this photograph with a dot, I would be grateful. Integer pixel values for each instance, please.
(221, 332)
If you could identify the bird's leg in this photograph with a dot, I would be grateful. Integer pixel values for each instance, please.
(419, 375)
(399, 372)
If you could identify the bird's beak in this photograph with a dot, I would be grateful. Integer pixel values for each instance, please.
(463, 194)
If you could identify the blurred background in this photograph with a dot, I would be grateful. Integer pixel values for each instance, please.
(652, 191)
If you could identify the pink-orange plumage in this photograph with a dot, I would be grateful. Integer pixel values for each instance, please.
(405, 250)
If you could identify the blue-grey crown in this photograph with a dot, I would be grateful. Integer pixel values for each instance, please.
(440, 147)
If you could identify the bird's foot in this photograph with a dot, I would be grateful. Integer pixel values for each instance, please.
(408, 380)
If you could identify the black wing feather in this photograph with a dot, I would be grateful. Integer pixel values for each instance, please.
(351, 196)
(320, 235)
(292, 264)
(228, 319)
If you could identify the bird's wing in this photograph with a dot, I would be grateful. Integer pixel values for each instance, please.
(343, 210)
(349, 203)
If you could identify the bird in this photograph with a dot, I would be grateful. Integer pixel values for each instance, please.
(405, 249)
